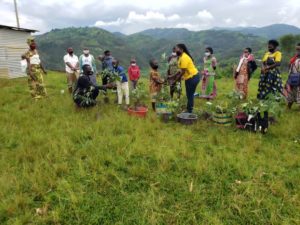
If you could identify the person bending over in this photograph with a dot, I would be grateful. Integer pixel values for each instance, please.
(86, 92)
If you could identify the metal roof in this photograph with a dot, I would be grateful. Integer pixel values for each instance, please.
(17, 29)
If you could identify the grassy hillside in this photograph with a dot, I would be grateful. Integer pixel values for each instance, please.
(53, 45)
(144, 46)
(100, 166)
(227, 45)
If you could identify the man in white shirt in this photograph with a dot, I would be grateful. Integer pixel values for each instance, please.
(88, 59)
(72, 69)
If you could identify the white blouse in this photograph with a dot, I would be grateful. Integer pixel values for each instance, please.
(35, 59)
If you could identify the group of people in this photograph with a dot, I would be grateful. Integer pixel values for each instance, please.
(82, 83)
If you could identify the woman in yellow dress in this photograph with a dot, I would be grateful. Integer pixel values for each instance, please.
(270, 79)
(35, 71)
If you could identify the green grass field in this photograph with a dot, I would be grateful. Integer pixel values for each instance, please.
(100, 166)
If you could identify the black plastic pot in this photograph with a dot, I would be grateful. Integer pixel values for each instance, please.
(187, 118)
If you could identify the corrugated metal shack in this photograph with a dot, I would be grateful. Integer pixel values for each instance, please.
(12, 46)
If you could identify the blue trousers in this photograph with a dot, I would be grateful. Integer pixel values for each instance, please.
(190, 86)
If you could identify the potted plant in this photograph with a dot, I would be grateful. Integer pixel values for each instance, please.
(235, 101)
(138, 97)
(261, 113)
(161, 100)
(221, 113)
(112, 77)
(172, 108)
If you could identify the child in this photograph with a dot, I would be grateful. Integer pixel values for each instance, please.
(155, 82)
(122, 85)
(134, 73)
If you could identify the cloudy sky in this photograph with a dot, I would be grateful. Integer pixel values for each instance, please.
(136, 15)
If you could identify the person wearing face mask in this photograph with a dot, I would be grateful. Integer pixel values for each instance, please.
(107, 65)
(175, 84)
(189, 72)
(292, 87)
(35, 71)
(209, 88)
(243, 72)
(270, 79)
(134, 73)
(86, 92)
(156, 82)
(122, 83)
(72, 69)
(87, 59)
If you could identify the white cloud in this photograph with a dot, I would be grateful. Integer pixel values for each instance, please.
(148, 5)
(205, 15)
(243, 24)
(188, 26)
(174, 17)
(118, 22)
(228, 21)
(150, 16)
(133, 18)
(26, 21)
(245, 2)
(282, 12)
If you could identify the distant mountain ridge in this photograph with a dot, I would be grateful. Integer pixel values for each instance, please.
(271, 32)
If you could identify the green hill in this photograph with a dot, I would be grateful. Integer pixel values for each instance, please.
(271, 32)
(227, 43)
(145, 45)
(179, 34)
(53, 45)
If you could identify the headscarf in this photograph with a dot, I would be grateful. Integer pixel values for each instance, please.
(249, 58)
(293, 60)
(29, 40)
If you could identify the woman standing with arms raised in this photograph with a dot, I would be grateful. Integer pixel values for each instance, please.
(188, 72)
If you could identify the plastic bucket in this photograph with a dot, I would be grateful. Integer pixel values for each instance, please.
(223, 119)
(187, 118)
(139, 111)
(160, 108)
(241, 119)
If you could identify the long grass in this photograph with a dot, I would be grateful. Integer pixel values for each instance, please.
(101, 166)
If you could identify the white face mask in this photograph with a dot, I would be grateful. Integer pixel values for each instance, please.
(86, 52)
(174, 54)
(207, 54)
(133, 64)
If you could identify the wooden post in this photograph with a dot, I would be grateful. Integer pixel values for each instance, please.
(17, 14)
